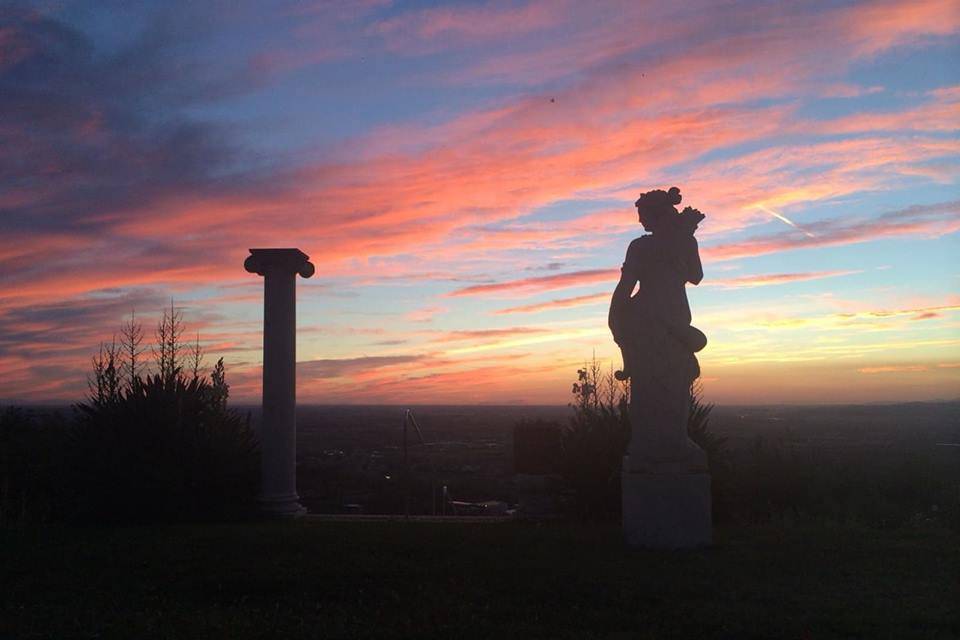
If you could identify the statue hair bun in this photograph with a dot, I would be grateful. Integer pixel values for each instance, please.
(659, 198)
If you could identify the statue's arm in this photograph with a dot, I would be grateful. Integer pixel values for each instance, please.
(619, 304)
(694, 268)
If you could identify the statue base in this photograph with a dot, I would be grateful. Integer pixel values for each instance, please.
(667, 509)
(287, 506)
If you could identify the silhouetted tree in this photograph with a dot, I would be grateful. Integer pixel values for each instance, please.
(219, 389)
(164, 446)
(105, 382)
(594, 442)
(168, 349)
(196, 357)
(131, 341)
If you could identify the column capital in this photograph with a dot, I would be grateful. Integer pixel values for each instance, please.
(291, 260)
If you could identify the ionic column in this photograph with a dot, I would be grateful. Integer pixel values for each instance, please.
(278, 430)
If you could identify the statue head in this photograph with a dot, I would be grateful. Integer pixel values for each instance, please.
(654, 207)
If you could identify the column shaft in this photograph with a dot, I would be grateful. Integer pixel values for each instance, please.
(278, 439)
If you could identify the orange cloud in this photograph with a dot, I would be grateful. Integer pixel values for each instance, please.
(912, 368)
(484, 334)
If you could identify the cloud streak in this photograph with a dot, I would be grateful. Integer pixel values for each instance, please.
(538, 284)
(342, 367)
(769, 279)
(927, 220)
(558, 303)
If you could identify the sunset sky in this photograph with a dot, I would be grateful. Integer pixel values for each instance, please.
(462, 176)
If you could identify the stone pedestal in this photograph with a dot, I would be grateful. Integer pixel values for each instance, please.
(668, 509)
(278, 431)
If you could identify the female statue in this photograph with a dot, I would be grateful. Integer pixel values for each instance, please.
(654, 333)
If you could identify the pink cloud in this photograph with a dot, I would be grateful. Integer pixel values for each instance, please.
(876, 27)
(540, 283)
(487, 334)
(425, 314)
(931, 220)
(765, 280)
(450, 27)
(560, 303)
(489, 166)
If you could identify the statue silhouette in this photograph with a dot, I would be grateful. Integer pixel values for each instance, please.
(654, 333)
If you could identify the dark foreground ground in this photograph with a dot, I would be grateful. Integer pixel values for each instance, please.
(416, 580)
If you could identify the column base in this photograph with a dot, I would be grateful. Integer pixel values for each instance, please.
(287, 506)
(666, 510)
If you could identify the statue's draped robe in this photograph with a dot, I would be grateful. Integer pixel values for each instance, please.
(652, 328)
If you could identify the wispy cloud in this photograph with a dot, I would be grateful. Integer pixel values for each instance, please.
(929, 220)
(425, 314)
(765, 280)
(539, 283)
(558, 303)
(488, 334)
(903, 368)
(341, 367)
(453, 27)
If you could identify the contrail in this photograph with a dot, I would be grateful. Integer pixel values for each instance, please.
(784, 218)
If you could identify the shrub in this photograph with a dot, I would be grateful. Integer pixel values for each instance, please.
(596, 438)
(163, 449)
(698, 430)
(594, 442)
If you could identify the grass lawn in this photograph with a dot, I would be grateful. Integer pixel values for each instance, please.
(415, 580)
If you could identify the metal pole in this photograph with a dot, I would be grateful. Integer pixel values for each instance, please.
(406, 471)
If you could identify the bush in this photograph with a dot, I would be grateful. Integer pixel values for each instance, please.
(698, 430)
(596, 438)
(593, 444)
(143, 447)
(165, 449)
